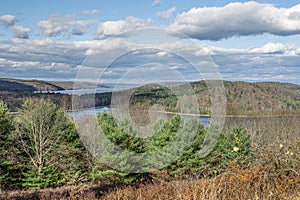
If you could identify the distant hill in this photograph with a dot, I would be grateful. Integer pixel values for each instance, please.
(263, 97)
(243, 98)
(15, 91)
(7, 84)
(70, 85)
(27, 85)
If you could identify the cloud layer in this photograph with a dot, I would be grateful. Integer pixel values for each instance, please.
(49, 59)
(57, 24)
(8, 20)
(120, 28)
(156, 2)
(205, 23)
(166, 14)
(238, 19)
(23, 57)
(90, 12)
(19, 31)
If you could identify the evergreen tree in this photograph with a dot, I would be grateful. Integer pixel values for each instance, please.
(7, 169)
(184, 146)
(50, 147)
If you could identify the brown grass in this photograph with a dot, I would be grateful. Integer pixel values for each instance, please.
(260, 182)
(273, 176)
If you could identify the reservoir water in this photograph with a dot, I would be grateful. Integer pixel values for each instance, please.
(94, 111)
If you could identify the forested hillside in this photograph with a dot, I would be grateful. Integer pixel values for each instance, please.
(243, 98)
(27, 85)
(257, 155)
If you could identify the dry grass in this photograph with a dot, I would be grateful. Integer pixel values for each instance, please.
(274, 176)
(260, 182)
(79, 192)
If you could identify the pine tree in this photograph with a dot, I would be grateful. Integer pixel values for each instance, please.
(50, 147)
(7, 169)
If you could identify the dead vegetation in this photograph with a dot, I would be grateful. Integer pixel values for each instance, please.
(274, 175)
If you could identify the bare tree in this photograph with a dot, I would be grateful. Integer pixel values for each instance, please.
(46, 138)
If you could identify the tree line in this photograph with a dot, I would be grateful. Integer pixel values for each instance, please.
(40, 148)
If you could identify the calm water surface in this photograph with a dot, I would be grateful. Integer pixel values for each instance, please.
(94, 111)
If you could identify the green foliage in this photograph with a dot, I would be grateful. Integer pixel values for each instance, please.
(156, 95)
(46, 178)
(7, 169)
(164, 133)
(231, 149)
(6, 125)
(42, 148)
(101, 174)
(121, 134)
(292, 103)
(50, 149)
(223, 149)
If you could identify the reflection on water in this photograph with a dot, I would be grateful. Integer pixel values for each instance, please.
(94, 111)
(263, 130)
(109, 88)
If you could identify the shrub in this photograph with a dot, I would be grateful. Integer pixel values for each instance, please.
(231, 149)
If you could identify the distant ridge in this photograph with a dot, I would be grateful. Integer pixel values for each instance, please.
(27, 85)
(243, 98)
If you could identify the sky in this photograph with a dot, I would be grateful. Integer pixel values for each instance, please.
(150, 40)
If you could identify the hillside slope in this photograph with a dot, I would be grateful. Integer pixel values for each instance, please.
(27, 85)
(243, 98)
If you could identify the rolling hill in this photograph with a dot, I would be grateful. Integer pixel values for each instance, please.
(243, 98)
(27, 85)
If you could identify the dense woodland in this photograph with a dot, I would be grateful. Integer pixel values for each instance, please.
(41, 148)
(262, 98)
(254, 157)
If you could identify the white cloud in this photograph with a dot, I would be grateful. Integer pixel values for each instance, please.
(90, 12)
(8, 20)
(156, 2)
(166, 14)
(275, 48)
(177, 67)
(46, 58)
(120, 28)
(57, 24)
(30, 58)
(21, 31)
(238, 19)
(162, 53)
(14, 64)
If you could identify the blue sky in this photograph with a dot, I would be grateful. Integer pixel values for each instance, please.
(54, 40)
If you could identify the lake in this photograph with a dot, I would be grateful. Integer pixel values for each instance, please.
(263, 129)
(94, 111)
(110, 88)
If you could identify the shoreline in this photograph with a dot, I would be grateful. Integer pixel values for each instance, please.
(194, 115)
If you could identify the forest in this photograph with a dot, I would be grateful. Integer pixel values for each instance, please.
(254, 156)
